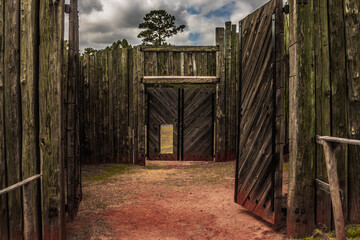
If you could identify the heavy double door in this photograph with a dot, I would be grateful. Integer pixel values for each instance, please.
(180, 124)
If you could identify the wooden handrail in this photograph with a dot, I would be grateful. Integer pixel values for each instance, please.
(20, 184)
(331, 145)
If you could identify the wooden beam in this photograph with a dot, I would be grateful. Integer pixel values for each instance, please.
(326, 187)
(20, 184)
(180, 48)
(320, 140)
(180, 79)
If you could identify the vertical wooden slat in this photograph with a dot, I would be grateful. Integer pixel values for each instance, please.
(279, 110)
(233, 99)
(50, 97)
(13, 116)
(106, 106)
(220, 97)
(125, 105)
(3, 180)
(131, 105)
(323, 118)
(141, 108)
(71, 108)
(352, 36)
(112, 95)
(228, 88)
(135, 104)
(300, 212)
(29, 93)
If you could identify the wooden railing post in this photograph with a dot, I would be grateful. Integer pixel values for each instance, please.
(329, 152)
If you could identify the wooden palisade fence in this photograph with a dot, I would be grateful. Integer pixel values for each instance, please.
(33, 121)
(111, 86)
(324, 100)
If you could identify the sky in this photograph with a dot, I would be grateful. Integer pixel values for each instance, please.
(103, 22)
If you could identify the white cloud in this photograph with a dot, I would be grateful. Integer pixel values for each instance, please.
(103, 22)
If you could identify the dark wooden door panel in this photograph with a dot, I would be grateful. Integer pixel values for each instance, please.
(198, 125)
(163, 108)
(256, 169)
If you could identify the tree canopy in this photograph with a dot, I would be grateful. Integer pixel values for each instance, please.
(158, 25)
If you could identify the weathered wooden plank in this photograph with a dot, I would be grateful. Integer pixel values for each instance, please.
(13, 121)
(279, 111)
(300, 212)
(131, 106)
(106, 149)
(4, 234)
(124, 106)
(352, 36)
(233, 100)
(180, 49)
(50, 97)
(112, 94)
(338, 88)
(228, 89)
(180, 79)
(71, 109)
(29, 100)
(220, 97)
(141, 109)
(323, 106)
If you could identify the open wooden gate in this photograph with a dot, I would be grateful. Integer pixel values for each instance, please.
(259, 161)
(180, 124)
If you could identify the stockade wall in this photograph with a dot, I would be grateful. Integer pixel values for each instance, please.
(33, 120)
(324, 100)
(111, 85)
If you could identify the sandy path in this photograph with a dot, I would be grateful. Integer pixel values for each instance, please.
(171, 200)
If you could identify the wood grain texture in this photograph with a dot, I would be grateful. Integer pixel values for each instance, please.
(255, 181)
(301, 211)
(4, 234)
(220, 97)
(50, 97)
(29, 104)
(352, 36)
(163, 109)
(13, 116)
(198, 124)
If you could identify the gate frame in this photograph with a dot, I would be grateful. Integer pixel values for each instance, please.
(140, 81)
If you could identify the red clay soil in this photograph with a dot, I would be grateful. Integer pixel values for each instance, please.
(172, 200)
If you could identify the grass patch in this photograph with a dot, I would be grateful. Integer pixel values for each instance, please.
(286, 167)
(110, 171)
(353, 231)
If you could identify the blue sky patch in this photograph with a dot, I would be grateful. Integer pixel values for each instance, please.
(224, 11)
(193, 11)
(194, 37)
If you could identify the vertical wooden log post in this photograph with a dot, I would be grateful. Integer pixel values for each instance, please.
(338, 88)
(50, 97)
(228, 89)
(300, 212)
(141, 107)
(71, 141)
(352, 36)
(220, 97)
(323, 105)
(29, 102)
(13, 118)
(332, 172)
(3, 199)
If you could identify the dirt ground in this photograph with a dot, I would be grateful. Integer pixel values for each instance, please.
(164, 200)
